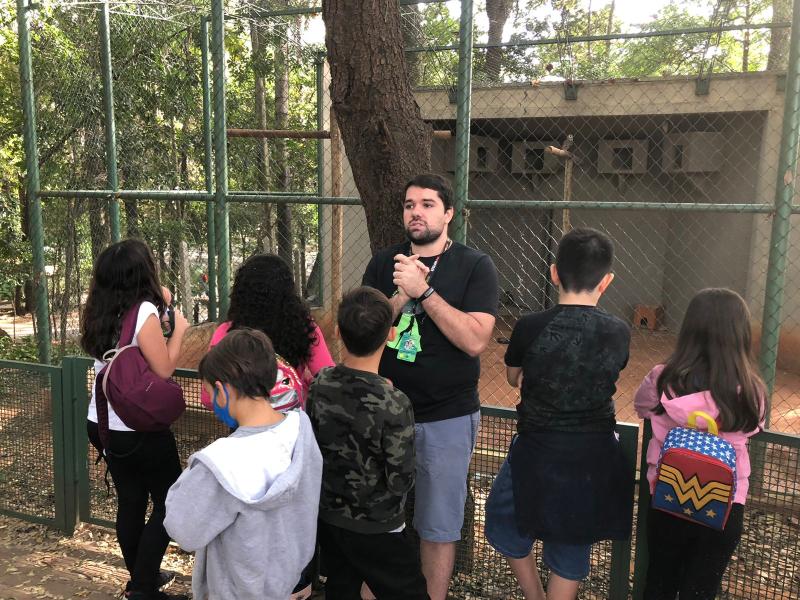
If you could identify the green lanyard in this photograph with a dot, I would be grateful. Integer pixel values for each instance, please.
(409, 343)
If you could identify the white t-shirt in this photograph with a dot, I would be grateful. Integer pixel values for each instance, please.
(114, 422)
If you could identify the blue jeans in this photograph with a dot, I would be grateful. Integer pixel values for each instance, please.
(565, 560)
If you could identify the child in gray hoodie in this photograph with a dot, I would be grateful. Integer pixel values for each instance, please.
(247, 504)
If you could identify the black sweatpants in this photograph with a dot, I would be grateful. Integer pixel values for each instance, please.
(388, 562)
(686, 558)
(143, 466)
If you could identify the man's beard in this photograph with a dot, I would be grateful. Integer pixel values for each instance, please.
(423, 237)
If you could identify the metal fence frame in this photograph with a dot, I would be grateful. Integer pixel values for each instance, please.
(69, 398)
(217, 196)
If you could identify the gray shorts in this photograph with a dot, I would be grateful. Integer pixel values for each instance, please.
(443, 449)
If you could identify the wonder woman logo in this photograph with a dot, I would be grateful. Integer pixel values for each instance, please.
(700, 495)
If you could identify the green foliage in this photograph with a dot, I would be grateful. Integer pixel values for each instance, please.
(646, 57)
(24, 349)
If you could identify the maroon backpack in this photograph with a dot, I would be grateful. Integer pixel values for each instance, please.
(143, 400)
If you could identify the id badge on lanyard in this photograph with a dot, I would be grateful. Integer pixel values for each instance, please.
(408, 342)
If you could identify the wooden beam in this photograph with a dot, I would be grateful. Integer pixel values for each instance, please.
(280, 133)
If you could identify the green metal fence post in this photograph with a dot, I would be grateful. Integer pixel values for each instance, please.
(619, 586)
(208, 169)
(80, 393)
(110, 124)
(66, 476)
(220, 153)
(463, 101)
(36, 232)
(781, 222)
(642, 511)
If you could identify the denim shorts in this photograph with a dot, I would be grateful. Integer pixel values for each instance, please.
(565, 560)
(443, 451)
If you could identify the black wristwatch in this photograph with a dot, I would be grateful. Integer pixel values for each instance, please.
(426, 294)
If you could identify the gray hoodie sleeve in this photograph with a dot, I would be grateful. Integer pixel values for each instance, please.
(198, 508)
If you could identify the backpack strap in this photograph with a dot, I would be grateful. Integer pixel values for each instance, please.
(711, 424)
(127, 332)
(128, 326)
(101, 403)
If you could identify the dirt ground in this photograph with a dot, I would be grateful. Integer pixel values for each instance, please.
(37, 562)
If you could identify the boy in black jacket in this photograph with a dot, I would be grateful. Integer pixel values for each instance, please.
(564, 481)
(365, 430)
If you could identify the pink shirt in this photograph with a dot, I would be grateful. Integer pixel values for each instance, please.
(676, 415)
(320, 358)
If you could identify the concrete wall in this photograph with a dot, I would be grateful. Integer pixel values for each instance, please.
(662, 257)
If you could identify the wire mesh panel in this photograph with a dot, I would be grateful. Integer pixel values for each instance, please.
(765, 564)
(193, 431)
(662, 259)
(27, 441)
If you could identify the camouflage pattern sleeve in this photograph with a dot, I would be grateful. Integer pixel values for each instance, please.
(397, 441)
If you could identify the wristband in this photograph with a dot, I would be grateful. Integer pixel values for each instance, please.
(427, 294)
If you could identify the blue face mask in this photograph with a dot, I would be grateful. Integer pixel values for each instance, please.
(224, 414)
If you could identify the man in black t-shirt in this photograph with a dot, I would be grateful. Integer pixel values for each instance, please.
(444, 296)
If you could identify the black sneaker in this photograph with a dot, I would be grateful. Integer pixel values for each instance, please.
(165, 579)
(157, 595)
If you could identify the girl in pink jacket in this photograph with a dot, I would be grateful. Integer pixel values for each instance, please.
(711, 370)
(264, 297)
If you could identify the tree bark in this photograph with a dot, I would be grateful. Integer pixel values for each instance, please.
(778, 58)
(385, 139)
(746, 39)
(262, 146)
(498, 12)
(284, 210)
(610, 25)
(131, 218)
(29, 304)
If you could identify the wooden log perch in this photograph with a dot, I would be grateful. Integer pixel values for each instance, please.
(280, 133)
(441, 134)
(558, 152)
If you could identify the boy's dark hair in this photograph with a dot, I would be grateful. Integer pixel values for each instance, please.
(243, 359)
(364, 319)
(584, 256)
(432, 181)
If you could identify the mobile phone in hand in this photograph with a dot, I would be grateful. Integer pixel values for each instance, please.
(168, 322)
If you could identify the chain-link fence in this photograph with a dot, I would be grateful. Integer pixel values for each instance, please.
(663, 127)
(41, 459)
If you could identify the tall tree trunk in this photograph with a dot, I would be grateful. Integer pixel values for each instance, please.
(69, 255)
(610, 25)
(412, 37)
(131, 218)
(498, 12)
(29, 304)
(384, 136)
(778, 58)
(746, 39)
(284, 221)
(262, 146)
(589, 32)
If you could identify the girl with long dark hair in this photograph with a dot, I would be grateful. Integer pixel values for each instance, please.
(264, 297)
(143, 465)
(711, 370)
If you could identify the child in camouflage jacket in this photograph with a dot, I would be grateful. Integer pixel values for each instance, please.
(365, 431)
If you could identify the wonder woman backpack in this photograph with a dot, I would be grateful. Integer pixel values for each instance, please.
(696, 474)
